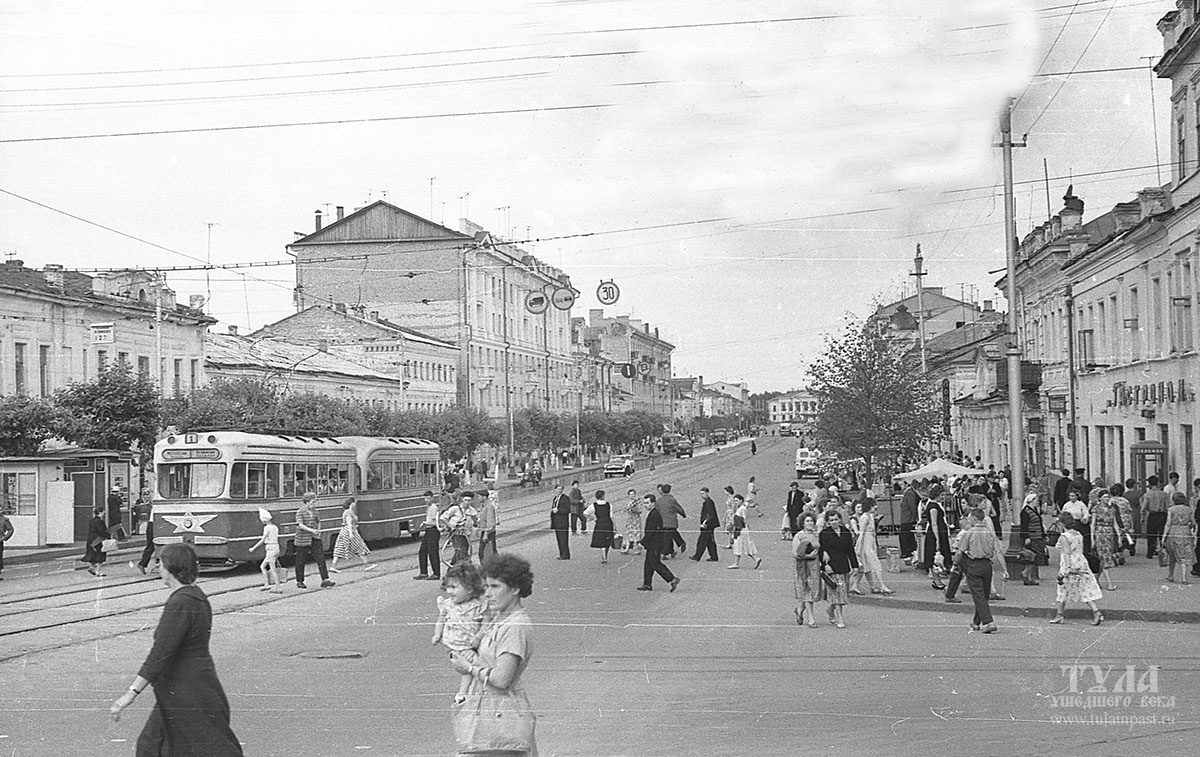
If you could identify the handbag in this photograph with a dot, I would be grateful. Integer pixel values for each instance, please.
(108, 545)
(490, 721)
(828, 581)
(1093, 561)
(1026, 555)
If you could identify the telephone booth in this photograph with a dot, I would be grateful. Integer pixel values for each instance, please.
(1148, 458)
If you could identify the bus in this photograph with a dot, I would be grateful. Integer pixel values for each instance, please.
(785, 429)
(210, 486)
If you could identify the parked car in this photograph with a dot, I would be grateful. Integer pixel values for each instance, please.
(807, 462)
(683, 448)
(619, 465)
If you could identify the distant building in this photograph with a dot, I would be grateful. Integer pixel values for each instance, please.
(625, 341)
(739, 391)
(715, 404)
(426, 367)
(464, 286)
(64, 326)
(800, 407)
(942, 313)
(687, 403)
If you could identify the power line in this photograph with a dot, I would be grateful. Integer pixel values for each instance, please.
(1049, 50)
(749, 22)
(330, 122)
(279, 77)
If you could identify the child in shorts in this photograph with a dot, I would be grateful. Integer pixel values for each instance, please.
(460, 616)
(270, 564)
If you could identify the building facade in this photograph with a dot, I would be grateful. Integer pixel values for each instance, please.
(800, 407)
(59, 327)
(622, 340)
(499, 304)
(426, 367)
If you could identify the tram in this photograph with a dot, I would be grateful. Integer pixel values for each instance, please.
(210, 486)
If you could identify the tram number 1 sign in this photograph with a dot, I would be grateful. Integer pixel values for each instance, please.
(608, 292)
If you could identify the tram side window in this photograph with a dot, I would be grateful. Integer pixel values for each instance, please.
(237, 481)
(272, 490)
(312, 482)
(256, 479)
(389, 481)
(301, 479)
(374, 476)
(403, 480)
(289, 480)
(430, 471)
(339, 478)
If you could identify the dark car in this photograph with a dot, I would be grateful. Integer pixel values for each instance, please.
(683, 448)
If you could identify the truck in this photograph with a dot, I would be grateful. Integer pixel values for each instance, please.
(669, 442)
(785, 429)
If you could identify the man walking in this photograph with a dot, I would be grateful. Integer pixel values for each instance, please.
(909, 504)
(794, 506)
(708, 524)
(489, 519)
(308, 539)
(430, 536)
(653, 540)
(671, 511)
(1155, 503)
(978, 546)
(577, 516)
(148, 551)
(116, 529)
(560, 521)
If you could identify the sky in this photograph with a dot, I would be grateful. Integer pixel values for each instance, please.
(750, 174)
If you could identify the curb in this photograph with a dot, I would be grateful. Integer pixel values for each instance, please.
(1007, 609)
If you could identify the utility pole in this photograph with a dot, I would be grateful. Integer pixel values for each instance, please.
(158, 327)
(431, 180)
(919, 274)
(207, 271)
(1016, 440)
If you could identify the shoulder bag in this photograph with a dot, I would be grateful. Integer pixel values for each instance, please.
(491, 721)
(108, 545)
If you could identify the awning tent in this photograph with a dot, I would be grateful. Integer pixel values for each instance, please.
(939, 468)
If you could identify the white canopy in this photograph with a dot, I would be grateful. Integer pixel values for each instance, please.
(939, 468)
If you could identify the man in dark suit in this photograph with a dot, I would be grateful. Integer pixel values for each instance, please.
(708, 524)
(653, 540)
(560, 522)
(909, 504)
(795, 506)
(1061, 487)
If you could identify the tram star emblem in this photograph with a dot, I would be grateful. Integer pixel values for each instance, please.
(189, 522)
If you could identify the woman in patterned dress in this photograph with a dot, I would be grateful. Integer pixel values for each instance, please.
(806, 545)
(1104, 536)
(349, 542)
(730, 509)
(1179, 538)
(1075, 579)
(633, 524)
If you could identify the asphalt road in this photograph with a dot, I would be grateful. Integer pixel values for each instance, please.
(717, 668)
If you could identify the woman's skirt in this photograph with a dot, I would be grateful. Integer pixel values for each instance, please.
(1105, 545)
(807, 585)
(602, 534)
(868, 560)
(349, 544)
(837, 594)
(1180, 547)
(1078, 587)
(743, 545)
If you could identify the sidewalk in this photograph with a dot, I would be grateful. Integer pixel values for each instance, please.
(130, 549)
(1142, 594)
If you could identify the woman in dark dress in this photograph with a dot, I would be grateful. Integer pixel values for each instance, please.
(1033, 538)
(937, 536)
(191, 714)
(837, 558)
(97, 533)
(602, 527)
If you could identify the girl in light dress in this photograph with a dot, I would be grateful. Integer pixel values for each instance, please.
(730, 509)
(866, 549)
(743, 545)
(270, 564)
(1075, 579)
(460, 617)
(752, 496)
(633, 524)
(349, 542)
(807, 583)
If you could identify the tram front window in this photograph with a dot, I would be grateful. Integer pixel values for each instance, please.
(190, 480)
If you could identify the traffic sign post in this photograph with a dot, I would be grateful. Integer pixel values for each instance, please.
(628, 371)
(563, 298)
(536, 302)
(608, 292)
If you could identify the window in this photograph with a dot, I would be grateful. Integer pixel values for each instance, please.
(1156, 316)
(143, 367)
(288, 475)
(101, 361)
(1135, 332)
(1181, 150)
(388, 477)
(1087, 348)
(248, 480)
(123, 359)
(18, 493)
(272, 490)
(19, 367)
(176, 382)
(194, 375)
(374, 476)
(44, 369)
(191, 480)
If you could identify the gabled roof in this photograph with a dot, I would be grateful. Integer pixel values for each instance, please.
(386, 328)
(986, 326)
(381, 221)
(283, 357)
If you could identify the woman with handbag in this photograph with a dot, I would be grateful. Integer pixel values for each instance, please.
(837, 560)
(1075, 579)
(1033, 540)
(937, 537)
(97, 534)
(496, 718)
(807, 584)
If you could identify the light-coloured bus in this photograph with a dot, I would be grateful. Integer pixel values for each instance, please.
(210, 486)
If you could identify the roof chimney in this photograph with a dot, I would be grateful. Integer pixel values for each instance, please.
(232, 330)
(339, 307)
(54, 275)
(374, 315)
(1072, 212)
(196, 302)
(323, 345)
(15, 263)
(318, 215)
(341, 212)
(987, 306)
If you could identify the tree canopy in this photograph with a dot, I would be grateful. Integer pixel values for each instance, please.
(26, 422)
(872, 402)
(115, 411)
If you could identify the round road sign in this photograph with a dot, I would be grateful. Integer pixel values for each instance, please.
(608, 292)
(536, 302)
(563, 298)
(644, 369)
(627, 370)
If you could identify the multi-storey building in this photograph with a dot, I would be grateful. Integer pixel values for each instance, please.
(58, 327)
(425, 368)
(626, 341)
(499, 304)
(686, 393)
(800, 407)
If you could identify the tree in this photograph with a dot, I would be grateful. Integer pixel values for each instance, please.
(873, 403)
(113, 412)
(239, 404)
(26, 422)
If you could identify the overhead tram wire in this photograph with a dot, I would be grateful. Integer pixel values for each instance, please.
(1049, 51)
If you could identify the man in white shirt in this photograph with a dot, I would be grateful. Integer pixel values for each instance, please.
(1172, 484)
(430, 536)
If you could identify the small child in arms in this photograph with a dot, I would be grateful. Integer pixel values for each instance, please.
(460, 616)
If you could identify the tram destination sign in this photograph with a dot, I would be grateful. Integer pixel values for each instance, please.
(191, 454)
